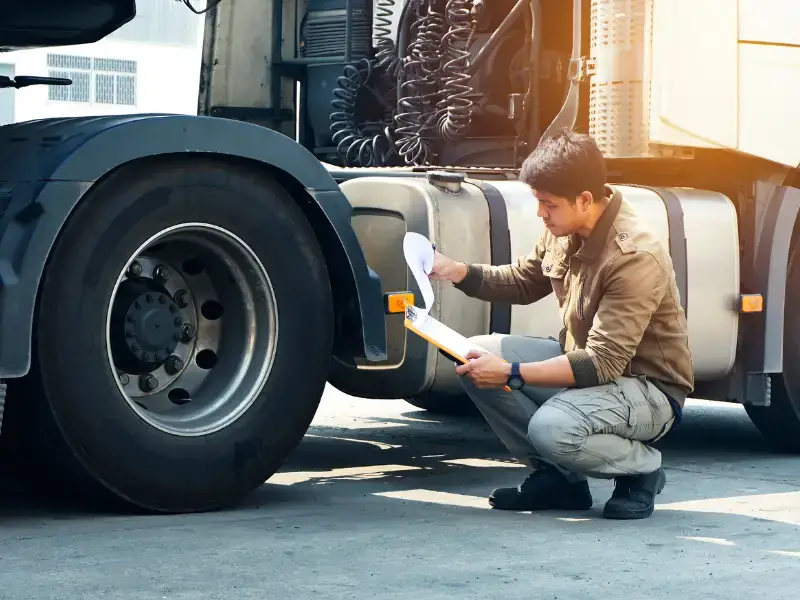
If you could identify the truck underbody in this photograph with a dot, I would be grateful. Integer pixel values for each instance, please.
(177, 290)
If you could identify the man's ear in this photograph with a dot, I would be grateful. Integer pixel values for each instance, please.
(585, 200)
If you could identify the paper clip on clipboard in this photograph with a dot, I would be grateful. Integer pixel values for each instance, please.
(409, 322)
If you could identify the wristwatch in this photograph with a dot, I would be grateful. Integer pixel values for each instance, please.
(515, 380)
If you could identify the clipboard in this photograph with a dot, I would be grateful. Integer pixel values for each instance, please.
(449, 342)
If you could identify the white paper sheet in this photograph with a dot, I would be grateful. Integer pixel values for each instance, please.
(419, 254)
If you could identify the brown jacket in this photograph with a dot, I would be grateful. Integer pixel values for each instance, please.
(617, 296)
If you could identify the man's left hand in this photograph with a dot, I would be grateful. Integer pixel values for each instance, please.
(485, 370)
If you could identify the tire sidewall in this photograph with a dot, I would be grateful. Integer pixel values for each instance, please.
(780, 421)
(790, 396)
(109, 438)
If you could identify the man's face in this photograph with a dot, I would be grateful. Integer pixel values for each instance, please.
(560, 216)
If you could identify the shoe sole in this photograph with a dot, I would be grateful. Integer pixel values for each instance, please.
(632, 514)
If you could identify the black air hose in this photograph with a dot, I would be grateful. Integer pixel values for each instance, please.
(418, 94)
(371, 144)
(433, 98)
(354, 145)
(455, 107)
(386, 52)
(409, 100)
(430, 53)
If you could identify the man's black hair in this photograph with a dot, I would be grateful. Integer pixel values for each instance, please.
(566, 165)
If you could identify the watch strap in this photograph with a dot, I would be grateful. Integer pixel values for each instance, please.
(515, 381)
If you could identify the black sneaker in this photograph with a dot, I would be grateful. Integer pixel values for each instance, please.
(544, 489)
(634, 496)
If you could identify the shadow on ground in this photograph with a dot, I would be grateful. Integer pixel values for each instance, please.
(394, 507)
(413, 449)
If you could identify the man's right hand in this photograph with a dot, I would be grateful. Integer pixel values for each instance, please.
(446, 269)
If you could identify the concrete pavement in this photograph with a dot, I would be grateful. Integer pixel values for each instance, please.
(382, 500)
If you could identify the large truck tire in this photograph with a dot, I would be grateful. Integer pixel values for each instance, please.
(780, 421)
(183, 337)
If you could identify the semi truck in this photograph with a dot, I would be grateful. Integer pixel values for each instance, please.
(176, 291)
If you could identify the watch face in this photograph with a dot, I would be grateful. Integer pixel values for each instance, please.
(515, 383)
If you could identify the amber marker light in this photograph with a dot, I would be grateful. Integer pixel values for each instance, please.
(397, 302)
(751, 303)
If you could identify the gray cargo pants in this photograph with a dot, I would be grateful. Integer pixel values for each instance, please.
(595, 432)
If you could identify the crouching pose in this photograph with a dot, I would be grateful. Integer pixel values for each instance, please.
(591, 403)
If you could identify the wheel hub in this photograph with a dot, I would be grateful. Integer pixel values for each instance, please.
(192, 329)
(147, 326)
(152, 327)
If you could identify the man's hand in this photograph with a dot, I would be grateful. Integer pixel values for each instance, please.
(446, 269)
(485, 370)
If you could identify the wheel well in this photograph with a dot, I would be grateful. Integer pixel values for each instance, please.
(794, 247)
(348, 339)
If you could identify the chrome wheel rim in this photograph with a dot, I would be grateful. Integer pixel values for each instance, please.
(191, 329)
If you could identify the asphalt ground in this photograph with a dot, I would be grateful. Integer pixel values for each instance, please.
(382, 500)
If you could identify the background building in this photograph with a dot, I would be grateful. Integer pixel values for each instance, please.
(152, 64)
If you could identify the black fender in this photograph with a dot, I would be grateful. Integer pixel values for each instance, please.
(47, 166)
(763, 338)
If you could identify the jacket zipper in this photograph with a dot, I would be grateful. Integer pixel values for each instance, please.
(580, 297)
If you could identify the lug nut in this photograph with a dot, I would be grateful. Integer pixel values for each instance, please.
(135, 269)
(124, 379)
(148, 383)
(187, 333)
(161, 273)
(182, 298)
(173, 365)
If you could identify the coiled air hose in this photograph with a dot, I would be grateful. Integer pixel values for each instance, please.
(386, 58)
(433, 97)
(455, 106)
(418, 94)
(354, 145)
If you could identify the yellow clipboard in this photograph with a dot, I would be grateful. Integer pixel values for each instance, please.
(449, 342)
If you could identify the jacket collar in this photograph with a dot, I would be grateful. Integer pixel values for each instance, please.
(596, 241)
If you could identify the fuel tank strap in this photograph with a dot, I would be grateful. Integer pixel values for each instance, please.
(500, 248)
(677, 242)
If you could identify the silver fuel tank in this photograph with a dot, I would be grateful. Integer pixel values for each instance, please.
(456, 216)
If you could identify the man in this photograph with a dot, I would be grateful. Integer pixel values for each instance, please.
(591, 403)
